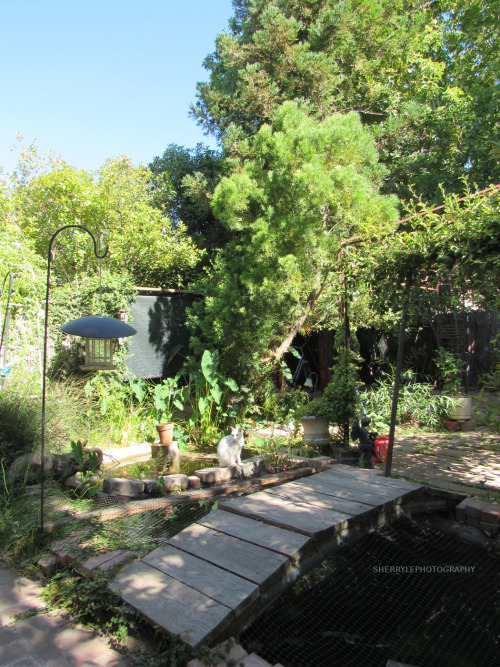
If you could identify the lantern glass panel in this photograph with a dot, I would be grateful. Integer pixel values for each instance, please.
(98, 354)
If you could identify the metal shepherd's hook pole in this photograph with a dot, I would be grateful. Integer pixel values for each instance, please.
(46, 328)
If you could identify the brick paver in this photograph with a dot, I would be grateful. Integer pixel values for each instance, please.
(46, 639)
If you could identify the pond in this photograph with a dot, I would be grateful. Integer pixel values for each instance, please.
(407, 592)
(155, 467)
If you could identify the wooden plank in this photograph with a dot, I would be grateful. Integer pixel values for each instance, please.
(373, 477)
(220, 585)
(348, 491)
(262, 534)
(229, 553)
(309, 520)
(312, 496)
(344, 482)
(167, 602)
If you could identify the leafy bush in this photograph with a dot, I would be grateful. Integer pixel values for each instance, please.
(491, 381)
(418, 403)
(339, 402)
(450, 370)
(210, 396)
(20, 419)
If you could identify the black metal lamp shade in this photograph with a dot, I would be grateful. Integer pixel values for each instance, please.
(98, 332)
(98, 326)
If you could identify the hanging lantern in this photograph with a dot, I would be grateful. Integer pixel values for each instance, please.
(99, 332)
(383, 346)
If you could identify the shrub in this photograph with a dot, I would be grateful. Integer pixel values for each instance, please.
(418, 403)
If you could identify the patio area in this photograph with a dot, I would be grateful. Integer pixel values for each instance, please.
(465, 463)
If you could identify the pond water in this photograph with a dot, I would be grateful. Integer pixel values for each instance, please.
(157, 467)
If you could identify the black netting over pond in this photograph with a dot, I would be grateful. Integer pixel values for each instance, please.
(407, 593)
(141, 532)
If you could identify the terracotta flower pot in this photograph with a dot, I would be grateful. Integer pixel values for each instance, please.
(165, 433)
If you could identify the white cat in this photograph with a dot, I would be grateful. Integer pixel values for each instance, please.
(229, 448)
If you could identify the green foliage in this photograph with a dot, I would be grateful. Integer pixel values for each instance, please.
(491, 381)
(302, 189)
(183, 181)
(339, 402)
(88, 462)
(167, 397)
(123, 410)
(20, 419)
(114, 204)
(488, 414)
(421, 75)
(211, 396)
(280, 453)
(19, 515)
(450, 370)
(117, 410)
(418, 403)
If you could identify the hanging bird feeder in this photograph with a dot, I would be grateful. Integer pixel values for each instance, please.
(99, 332)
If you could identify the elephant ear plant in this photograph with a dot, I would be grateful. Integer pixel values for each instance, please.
(210, 395)
(167, 397)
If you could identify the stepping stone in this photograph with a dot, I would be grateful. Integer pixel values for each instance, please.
(170, 604)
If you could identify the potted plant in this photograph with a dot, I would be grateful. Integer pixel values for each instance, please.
(338, 404)
(450, 373)
(166, 398)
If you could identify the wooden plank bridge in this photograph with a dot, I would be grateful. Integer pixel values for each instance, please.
(215, 577)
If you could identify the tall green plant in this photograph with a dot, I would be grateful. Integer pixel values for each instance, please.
(418, 403)
(450, 370)
(339, 402)
(210, 397)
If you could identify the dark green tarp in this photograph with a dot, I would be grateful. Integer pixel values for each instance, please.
(160, 322)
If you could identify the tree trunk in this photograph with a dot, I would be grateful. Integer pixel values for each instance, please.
(325, 356)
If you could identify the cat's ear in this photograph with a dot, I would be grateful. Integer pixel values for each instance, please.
(239, 430)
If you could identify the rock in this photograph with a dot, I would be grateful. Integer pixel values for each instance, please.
(152, 486)
(123, 487)
(194, 482)
(209, 476)
(469, 425)
(451, 425)
(28, 467)
(253, 467)
(172, 482)
(72, 483)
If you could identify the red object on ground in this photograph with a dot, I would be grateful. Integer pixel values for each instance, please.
(381, 445)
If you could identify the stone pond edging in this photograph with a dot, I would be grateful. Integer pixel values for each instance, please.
(479, 514)
(139, 489)
(180, 482)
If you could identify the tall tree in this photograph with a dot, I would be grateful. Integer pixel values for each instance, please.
(184, 180)
(425, 75)
(301, 189)
(115, 205)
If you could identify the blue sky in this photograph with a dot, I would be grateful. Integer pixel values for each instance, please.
(95, 79)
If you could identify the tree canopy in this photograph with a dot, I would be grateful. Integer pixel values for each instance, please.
(298, 188)
(114, 204)
(183, 181)
(424, 75)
